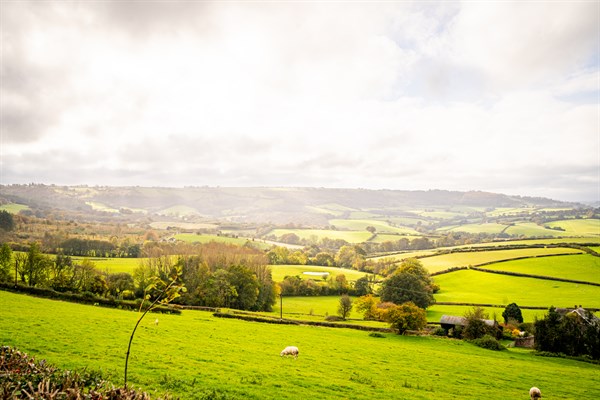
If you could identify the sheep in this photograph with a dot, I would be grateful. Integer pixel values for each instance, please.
(156, 322)
(535, 393)
(290, 351)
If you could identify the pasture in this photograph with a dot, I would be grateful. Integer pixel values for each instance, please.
(578, 227)
(362, 224)
(474, 258)
(582, 267)
(279, 272)
(196, 355)
(203, 238)
(13, 208)
(470, 286)
(435, 312)
(318, 234)
(112, 265)
(491, 227)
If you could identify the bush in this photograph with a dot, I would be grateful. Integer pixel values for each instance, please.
(488, 342)
(376, 335)
(439, 332)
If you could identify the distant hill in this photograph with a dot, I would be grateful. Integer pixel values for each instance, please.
(307, 206)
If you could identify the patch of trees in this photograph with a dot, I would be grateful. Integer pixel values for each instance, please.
(215, 275)
(296, 286)
(571, 334)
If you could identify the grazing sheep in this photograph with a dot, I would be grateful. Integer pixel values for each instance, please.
(535, 393)
(290, 351)
(156, 322)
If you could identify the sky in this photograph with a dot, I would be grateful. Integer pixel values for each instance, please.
(497, 96)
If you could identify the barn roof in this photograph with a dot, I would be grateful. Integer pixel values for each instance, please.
(454, 320)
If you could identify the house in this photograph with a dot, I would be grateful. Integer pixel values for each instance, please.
(585, 315)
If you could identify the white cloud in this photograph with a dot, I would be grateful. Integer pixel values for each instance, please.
(396, 95)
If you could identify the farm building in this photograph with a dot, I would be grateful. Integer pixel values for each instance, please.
(584, 314)
(450, 321)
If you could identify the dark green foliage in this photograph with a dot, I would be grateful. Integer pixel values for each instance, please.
(7, 221)
(488, 342)
(570, 334)
(410, 282)
(377, 335)
(362, 286)
(512, 312)
(5, 262)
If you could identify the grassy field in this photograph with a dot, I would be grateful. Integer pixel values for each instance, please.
(388, 237)
(469, 286)
(113, 265)
(474, 258)
(13, 208)
(194, 238)
(191, 354)
(183, 225)
(435, 312)
(362, 224)
(476, 228)
(317, 234)
(582, 267)
(578, 227)
(530, 229)
(281, 271)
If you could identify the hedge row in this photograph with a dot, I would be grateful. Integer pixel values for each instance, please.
(295, 322)
(83, 298)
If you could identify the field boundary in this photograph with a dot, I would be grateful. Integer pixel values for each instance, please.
(274, 320)
(521, 275)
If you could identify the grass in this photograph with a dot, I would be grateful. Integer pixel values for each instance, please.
(388, 237)
(530, 229)
(469, 286)
(477, 228)
(317, 234)
(191, 354)
(362, 224)
(13, 208)
(183, 225)
(446, 261)
(578, 227)
(113, 265)
(279, 272)
(582, 267)
(435, 312)
(195, 238)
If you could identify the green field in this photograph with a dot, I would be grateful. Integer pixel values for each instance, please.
(469, 286)
(530, 229)
(317, 234)
(474, 258)
(183, 225)
(195, 238)
(476, 228)
(583, 267)
(113, 265)
(13, 208)
(362, 224)
(193, 353)
(578, 227)
(435, 312)
(279, 272)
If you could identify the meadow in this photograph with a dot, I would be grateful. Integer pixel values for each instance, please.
(362, 224)
(317, 234)
(474, 258)
(470, 286)
(196, 355)
(205, 238)
(578, 227)
(279, 272)
(583, 267)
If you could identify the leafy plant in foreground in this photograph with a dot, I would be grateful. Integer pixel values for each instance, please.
(167, 292)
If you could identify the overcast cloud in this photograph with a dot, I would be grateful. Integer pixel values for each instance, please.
(494, 96)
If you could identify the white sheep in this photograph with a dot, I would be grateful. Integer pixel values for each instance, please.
(156, 322)
(535, 393)
(290, 351)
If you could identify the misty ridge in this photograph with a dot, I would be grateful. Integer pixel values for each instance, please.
(276, 205)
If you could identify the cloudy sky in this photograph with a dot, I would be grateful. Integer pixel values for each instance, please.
(496, 96)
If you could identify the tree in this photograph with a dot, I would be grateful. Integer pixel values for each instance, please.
(371, 229)
(368, 306)
(410, 282)
(5, 262)
(512, 312)
(7, 221)
(246, 285)
(345, 306)
(406, 316)
(476, 326)
(362, 286)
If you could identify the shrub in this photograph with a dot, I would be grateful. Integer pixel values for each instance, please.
(376, 335)
(439, 332)
(488, 342)
(405, 317)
